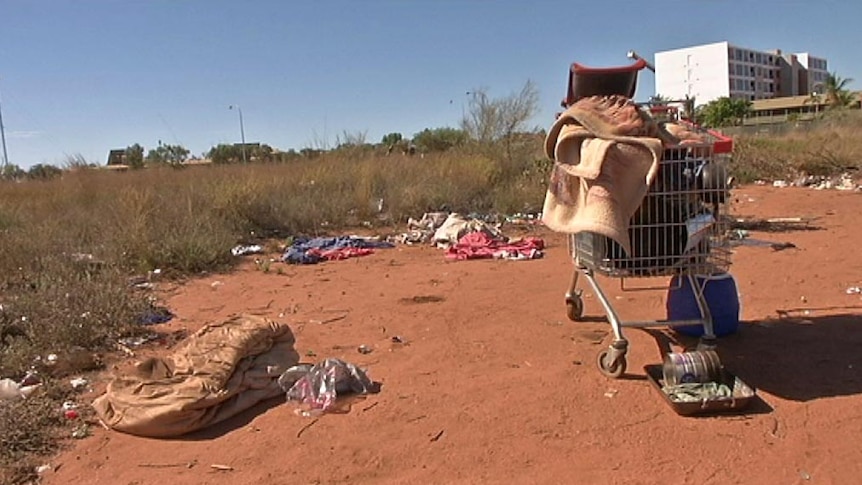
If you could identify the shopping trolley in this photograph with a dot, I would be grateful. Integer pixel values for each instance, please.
(679, 229)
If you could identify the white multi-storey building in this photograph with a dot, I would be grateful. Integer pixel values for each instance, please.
(710, 71)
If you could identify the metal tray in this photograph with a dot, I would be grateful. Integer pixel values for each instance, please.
(742, 395)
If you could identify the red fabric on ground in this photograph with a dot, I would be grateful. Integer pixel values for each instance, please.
(478, 245)
(340, 253)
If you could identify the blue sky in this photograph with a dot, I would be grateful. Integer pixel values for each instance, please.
(85, 76)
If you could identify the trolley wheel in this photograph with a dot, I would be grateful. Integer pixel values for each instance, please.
(613, 369)
(574, 308)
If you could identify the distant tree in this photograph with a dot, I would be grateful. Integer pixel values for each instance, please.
(439, 139)
(173, 155)
(491, 120)
(723, 111)
(311, 152)
(391, 139)
(135, 156)
(11, 172)
(835, 90)
(232, 153)
(43, 172)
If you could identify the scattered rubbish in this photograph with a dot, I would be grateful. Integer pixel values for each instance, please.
(780, 183)
(78, 383)
(132, 342)
(329, 320)
(320, 385)
(437, 436)
(302, 429)
(364, 349)
(30, 378)
(819, 182)
(223, 468)
(738, 234)
(243, 250)
(81, 431)
(524, 219)
(43, 469)
(190, 464)
(9, 389)
(396, 339)
(611, 393)
(67, 405)
(310, 353)
(854, 290)
(313, 251)
(479, 245)
(155, 315)
(776, 246)
(782, 246)
(419, 299)
(51, 359)
(216, 284)
(804, 475)
(457, 226)
(71, 414)
(421, 231)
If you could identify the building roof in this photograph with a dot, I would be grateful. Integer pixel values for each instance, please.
(785, 102)
(791, 102)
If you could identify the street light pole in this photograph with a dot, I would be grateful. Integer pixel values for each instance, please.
(241, 131)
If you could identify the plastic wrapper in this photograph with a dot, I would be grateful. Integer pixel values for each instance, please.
(319, 385)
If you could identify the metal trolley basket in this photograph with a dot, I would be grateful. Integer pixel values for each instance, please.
(679, 229)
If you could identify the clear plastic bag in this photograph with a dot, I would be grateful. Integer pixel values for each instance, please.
(319, 385)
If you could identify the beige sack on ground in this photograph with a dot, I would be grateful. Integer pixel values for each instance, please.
(221, 370)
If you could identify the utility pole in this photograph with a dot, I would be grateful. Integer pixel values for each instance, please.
(3, 137)
(241, 131)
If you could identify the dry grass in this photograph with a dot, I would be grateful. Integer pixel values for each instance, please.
(829, 147)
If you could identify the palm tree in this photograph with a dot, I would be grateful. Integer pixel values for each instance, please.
(834, 88)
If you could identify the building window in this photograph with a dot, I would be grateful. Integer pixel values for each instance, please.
(757, 58)
(752, 72)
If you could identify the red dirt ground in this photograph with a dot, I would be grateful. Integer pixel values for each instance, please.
(495, 384)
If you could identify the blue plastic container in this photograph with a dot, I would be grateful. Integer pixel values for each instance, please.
(721, 297)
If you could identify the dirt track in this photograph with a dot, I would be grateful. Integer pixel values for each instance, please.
(494, 384)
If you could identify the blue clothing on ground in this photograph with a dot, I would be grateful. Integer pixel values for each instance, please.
(297, 253)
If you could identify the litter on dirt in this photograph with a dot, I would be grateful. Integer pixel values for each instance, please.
(319, 385)
(313, 251)
(243, 250)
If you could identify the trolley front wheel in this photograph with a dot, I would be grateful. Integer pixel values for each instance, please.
(613, 369)
(574, 307)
